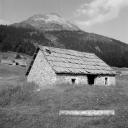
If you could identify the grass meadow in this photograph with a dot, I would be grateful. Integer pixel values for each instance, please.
(23, 106)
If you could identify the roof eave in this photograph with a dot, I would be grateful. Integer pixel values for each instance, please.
(65, 73)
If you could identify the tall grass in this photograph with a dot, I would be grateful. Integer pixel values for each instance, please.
(13, 95)
(25, 107)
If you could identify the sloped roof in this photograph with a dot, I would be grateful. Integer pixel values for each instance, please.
(74, 62)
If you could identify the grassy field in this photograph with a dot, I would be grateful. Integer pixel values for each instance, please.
(11, 75)
(22, 106)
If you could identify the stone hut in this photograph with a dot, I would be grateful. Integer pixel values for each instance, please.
(51, 66)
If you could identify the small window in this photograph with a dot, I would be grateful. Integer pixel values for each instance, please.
(48, 51)
(73, 81)
(106, 80)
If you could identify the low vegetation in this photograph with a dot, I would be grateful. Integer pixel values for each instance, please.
(25, 106)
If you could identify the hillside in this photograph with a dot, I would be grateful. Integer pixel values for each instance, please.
(24, 40)
(112, 51)
(20, 39)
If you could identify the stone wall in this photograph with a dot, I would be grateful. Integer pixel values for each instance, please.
(41, 72)
(111, 80)
(100, 80)
(68, 79)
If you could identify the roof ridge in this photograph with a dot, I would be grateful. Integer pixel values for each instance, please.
(78, 68)
(40, 46)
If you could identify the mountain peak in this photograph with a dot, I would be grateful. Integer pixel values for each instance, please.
(48, 22)
(45, 16)
(52, 17)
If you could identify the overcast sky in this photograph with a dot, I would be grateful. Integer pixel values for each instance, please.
(106, 17)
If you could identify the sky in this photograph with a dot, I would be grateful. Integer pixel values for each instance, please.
(105, 17)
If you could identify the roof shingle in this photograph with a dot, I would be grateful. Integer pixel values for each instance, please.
(74, 62)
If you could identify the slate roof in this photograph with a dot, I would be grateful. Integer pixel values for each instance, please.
(74, 62)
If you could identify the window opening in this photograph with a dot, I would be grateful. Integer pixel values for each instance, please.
(106, 80)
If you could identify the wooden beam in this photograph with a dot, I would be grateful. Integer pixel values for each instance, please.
(87, 112)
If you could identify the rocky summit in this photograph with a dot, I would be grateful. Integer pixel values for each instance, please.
(47, 22)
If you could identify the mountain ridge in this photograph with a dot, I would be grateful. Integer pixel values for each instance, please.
(25, 38)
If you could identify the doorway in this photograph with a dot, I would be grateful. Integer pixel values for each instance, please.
(91, 79)
(73, 81)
